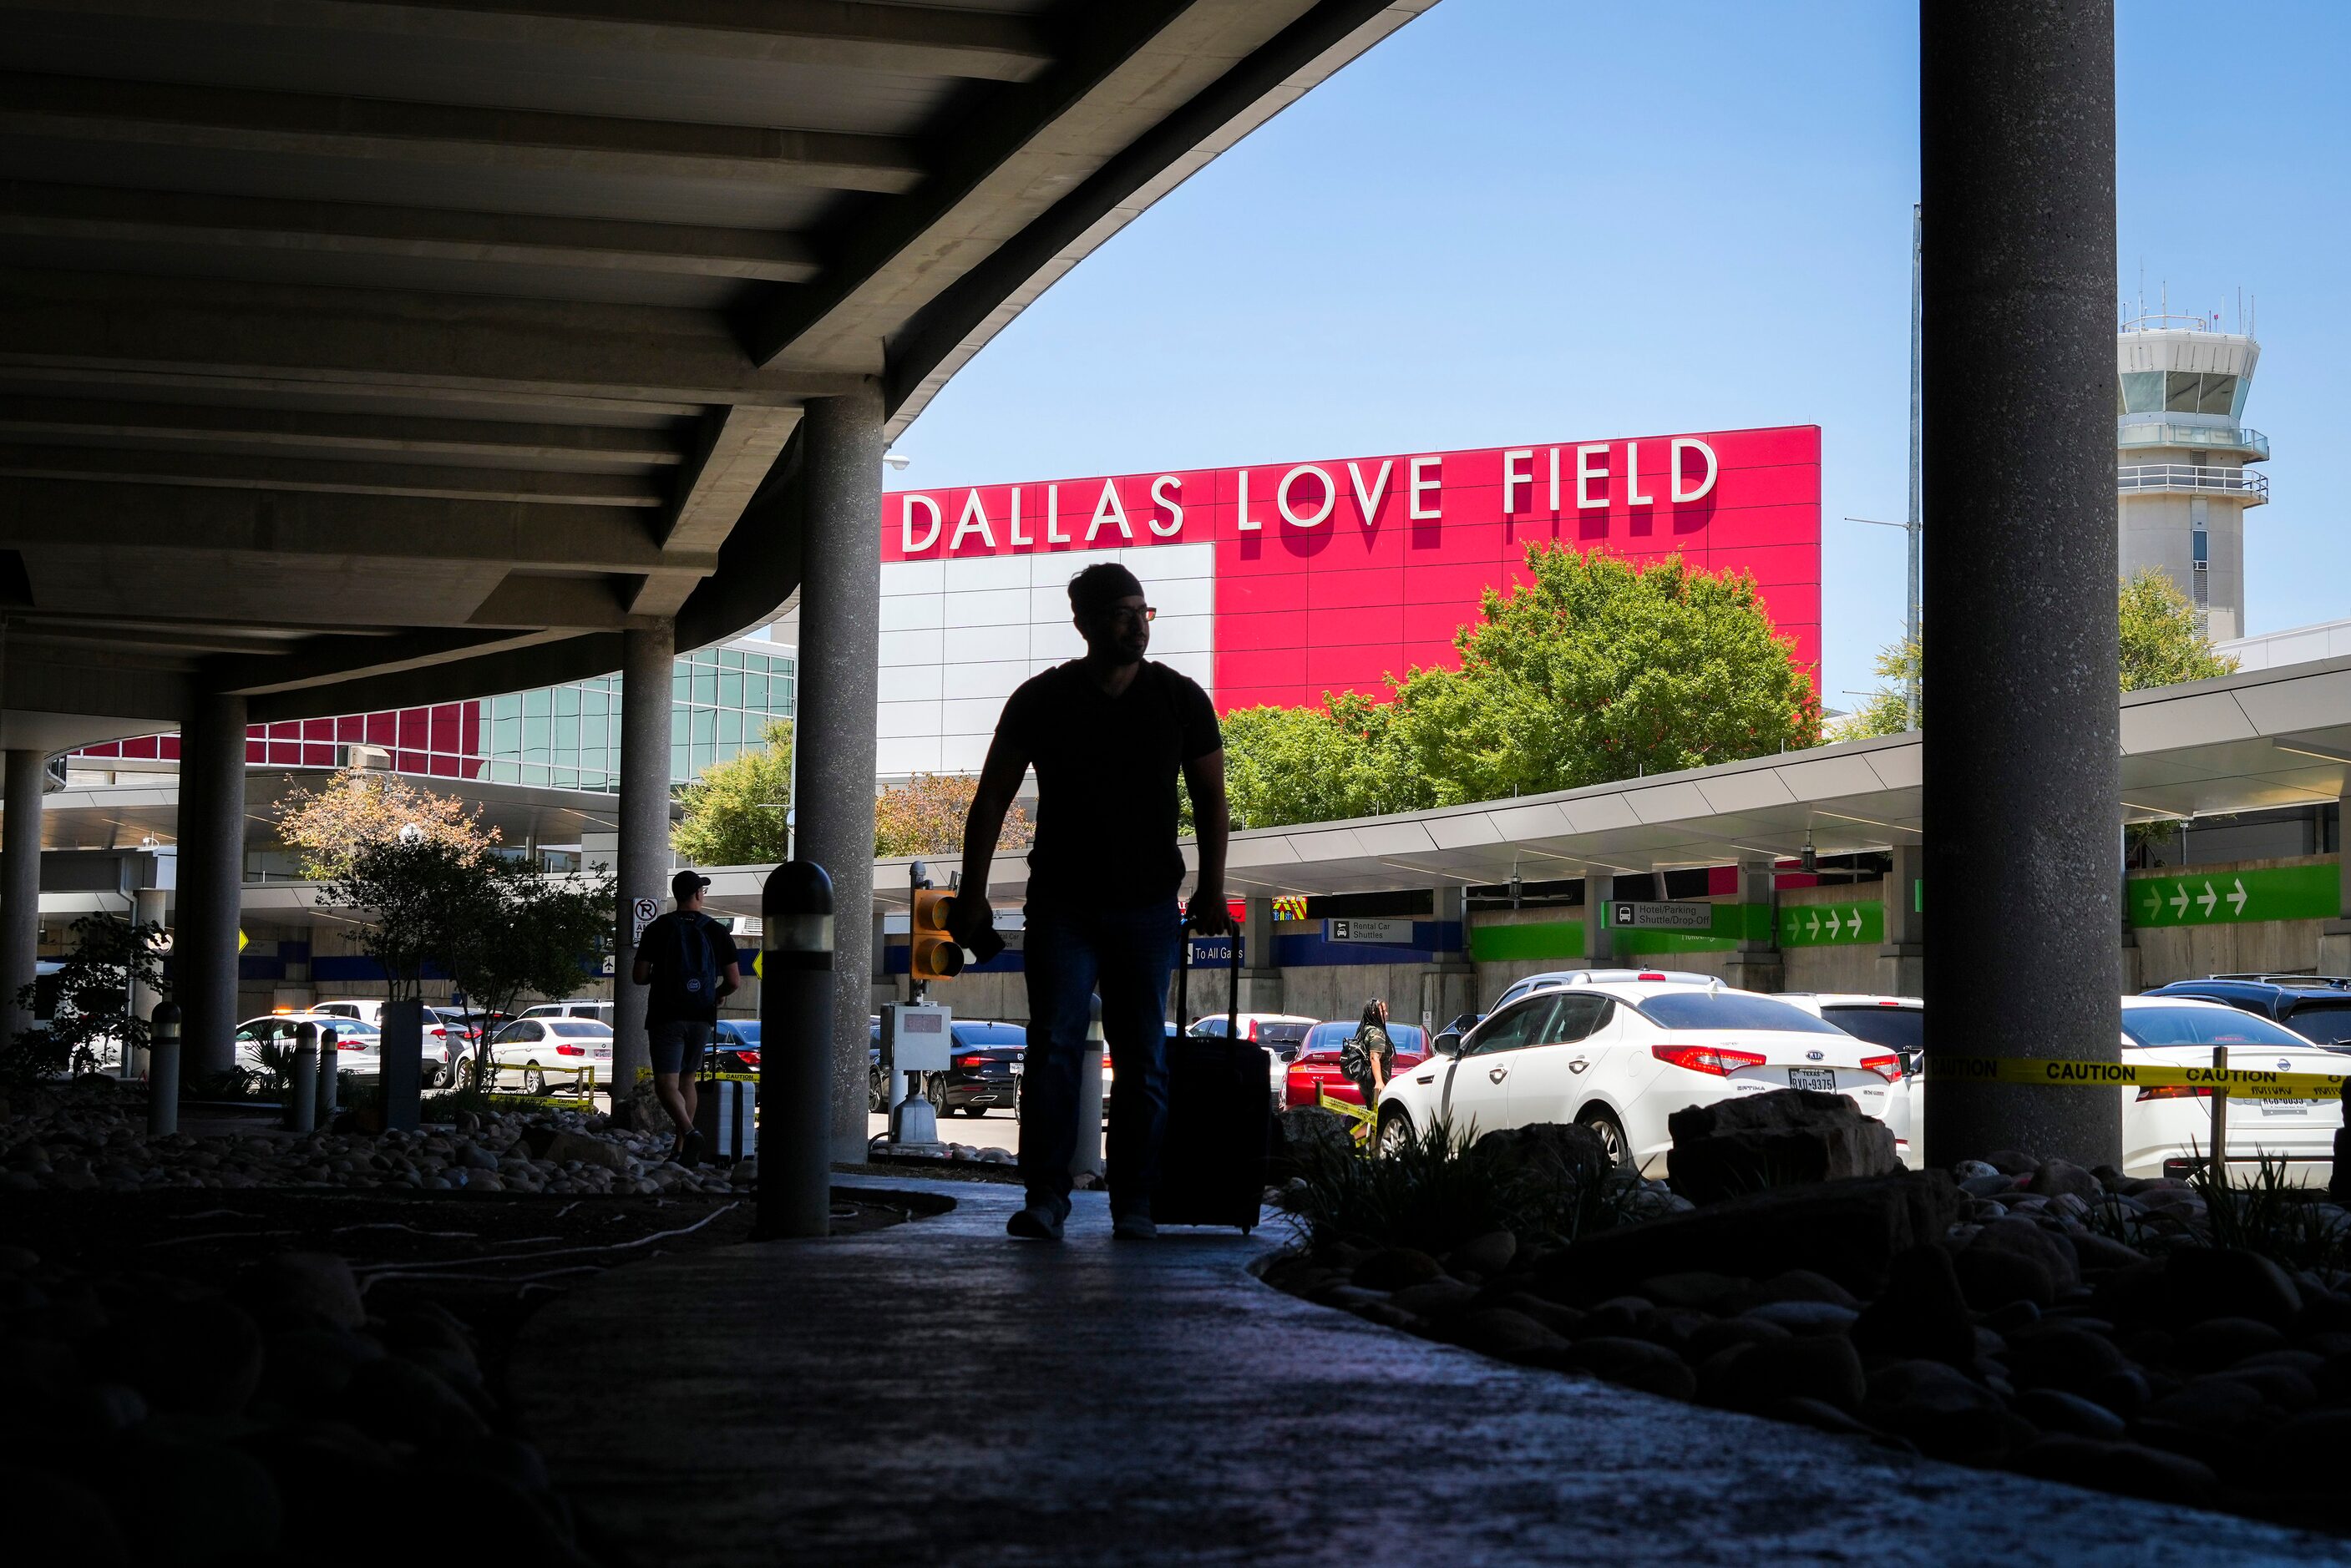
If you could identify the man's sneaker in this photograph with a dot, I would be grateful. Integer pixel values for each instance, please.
(1132, 1228)
(689, 1153)
(1038, 1222)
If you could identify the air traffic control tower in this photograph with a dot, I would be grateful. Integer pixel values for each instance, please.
(2181, 473)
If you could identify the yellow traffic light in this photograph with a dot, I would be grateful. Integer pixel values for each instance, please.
(934, 954)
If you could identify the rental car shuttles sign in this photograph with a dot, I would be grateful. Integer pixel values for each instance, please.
(1278, 582)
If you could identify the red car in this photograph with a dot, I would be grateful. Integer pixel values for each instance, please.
(1317, 1067)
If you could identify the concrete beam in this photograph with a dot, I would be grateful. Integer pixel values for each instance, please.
(592, 603)
(900, 40)
(496, 442)
(461, 136)
(735, 451)
(345, 228)
(327, 661)
(212, 471)
(285, 339)
(34, 512)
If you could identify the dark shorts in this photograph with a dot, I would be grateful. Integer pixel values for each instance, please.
(678, 1047)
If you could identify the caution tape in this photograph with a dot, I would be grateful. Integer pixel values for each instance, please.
(2251, 1082)
(1348, 1108)
(644, 1075)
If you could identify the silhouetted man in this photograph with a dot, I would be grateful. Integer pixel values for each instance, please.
(1108, 735)
(686, 961)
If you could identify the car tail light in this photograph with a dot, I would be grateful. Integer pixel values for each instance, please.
(1253, 1029)
(1649, 974)
(438, 1033)
(1887, 1067)
(571, 1051)
(748, 1058)
(350, 1044)
(1720, 1061)
(971, 1064)
(2175, 1092)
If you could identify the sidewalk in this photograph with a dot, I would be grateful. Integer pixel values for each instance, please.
(935, 1394)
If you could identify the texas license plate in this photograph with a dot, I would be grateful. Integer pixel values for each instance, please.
(1812, 1078)
(1016, 1069)
(2285, 1107)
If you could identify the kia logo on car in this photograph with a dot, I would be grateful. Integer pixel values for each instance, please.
(1812, 1056)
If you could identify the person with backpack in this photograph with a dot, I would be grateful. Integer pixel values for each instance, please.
(687, 962)
(1108, 734)
(1368, 1058)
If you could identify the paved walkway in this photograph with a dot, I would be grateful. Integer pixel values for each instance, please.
(935, 1394)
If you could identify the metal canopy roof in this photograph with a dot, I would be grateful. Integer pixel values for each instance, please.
(361, 352)
(2243, 742)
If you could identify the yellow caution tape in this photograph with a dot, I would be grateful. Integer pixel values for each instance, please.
(645, 1075)
(2251, 1082)
(1347, 1108)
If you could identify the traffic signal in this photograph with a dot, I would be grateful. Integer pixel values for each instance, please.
(932, 953)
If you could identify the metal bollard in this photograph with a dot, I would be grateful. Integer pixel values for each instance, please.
(795, 1016)
(2220, 1119)
(302, 1090)
(330, 1072)
(163, 1070)
(1088, 1159)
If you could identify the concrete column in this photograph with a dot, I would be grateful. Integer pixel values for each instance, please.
(1901, 961)
(147, 909)
(2022, 781)
(1599, 886)
(20, 885)
(833, 754)
(1261, 977)
(1755, 964)
(1450, 986)
(2335, 935)
(211, 876)
(643, 861)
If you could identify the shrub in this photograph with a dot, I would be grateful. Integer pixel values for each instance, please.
(1430, 1192)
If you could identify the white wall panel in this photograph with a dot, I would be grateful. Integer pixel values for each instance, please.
(913, 684)
(911, 647)
(913, 612)
(913, 577)
(996, 679)
(906, 721)
(899, 757)
(988, 606)
(1182, 634)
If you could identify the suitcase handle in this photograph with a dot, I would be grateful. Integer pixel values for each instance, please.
(1183, 975)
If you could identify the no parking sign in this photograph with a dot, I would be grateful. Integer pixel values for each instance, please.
(641, 913)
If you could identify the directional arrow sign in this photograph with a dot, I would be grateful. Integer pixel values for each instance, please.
(1854, 930)
(2208, 900)
(2237, 899)
(2179, 900)
(1813, 924)
(2154, 904)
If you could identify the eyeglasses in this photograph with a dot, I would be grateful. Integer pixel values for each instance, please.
(1123, 613)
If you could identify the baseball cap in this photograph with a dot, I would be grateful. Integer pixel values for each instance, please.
(686, 884)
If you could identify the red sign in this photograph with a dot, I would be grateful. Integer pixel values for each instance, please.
(1333, 573)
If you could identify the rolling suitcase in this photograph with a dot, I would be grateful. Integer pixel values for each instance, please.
(724, 1113)
(1212, 1161)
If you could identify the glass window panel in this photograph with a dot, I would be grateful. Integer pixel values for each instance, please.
(704, 756)
(705, 685)
(534, 738)
(704, 726)
(730, 728)
(536, 704)
(681, 766)
(2219, 395)
(595, 700)
(755, 692)
(2143, 392)
(506, 707)
(730, 689)
(534, 774)
(730, 659)
(567, 700)
(2179, 393)
(567, 739)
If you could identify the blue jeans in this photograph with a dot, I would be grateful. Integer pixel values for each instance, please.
(1127, 955)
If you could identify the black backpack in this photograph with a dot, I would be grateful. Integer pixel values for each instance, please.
(689, 989)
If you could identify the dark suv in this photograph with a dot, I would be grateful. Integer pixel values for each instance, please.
(2315, 1006)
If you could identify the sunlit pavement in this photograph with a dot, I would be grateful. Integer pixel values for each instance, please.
(997, 1130)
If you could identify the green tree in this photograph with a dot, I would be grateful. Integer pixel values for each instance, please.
(524, 931)
(419, 894)
(2162, 645)
(738, 812)
(1596, 669)
(925, 815)
(90, 1011)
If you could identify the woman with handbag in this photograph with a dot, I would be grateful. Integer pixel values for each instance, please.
(1369, 1055)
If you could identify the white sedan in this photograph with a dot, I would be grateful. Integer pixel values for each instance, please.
(553, 1047)
(1620, 1057)
(2166, 1121)
(359, 1047)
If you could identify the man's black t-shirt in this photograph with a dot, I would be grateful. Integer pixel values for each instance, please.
(671, 945)
(1106, 772)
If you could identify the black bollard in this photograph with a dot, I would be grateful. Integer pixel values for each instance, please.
(401, 1062)
(163, 1070)
(796, 988)
(330, 1067)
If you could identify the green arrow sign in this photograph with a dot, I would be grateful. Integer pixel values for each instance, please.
(2227, 898)
(1822, 925)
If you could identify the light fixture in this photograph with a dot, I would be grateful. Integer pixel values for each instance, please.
(1810, 860)
(897, 460)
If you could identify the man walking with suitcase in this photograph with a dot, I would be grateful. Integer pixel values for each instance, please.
(687, 961)
(1108, 734)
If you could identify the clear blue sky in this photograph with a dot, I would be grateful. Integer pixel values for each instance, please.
(1523, 221)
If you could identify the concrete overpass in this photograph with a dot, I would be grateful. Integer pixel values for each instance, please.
(358, 353)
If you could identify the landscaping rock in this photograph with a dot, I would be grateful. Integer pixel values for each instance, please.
(1774, 1140)
(1435, 1298)
(2054, 1411)
(1394, 1267)
(1501, 1332)
(316, 1282)
(1724, 1334)
(398, 1399)
(202, 1357)
(2222, 1342)
(1705, 1292)
(1804, 1285)
(1822, 1366)
(2059, 1354)
(1804, 1318)
(2025, 1238)
(1635, 1362)
(2306, 1453)
(1921, 1312)
(2058, 1179)
(1848, 1230)
(1301, 1132)
(1993, 1279)
(1553, 1154)
(1486, 1255)
(596, 1152)
(2201, 1282)
(2010, 1162)
(2130, 1468)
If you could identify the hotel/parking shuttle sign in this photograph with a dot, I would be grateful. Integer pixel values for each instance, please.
(1278, 582)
